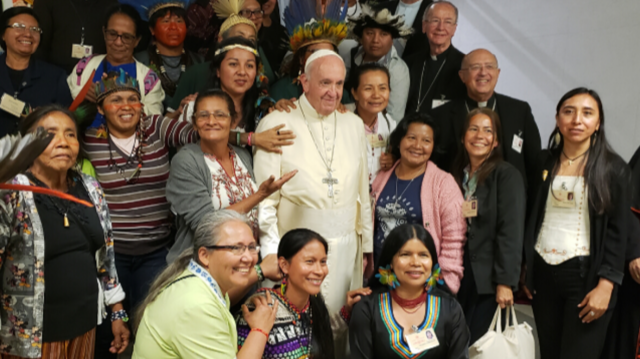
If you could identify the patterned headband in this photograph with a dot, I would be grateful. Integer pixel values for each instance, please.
(236, 46)
(115, 81)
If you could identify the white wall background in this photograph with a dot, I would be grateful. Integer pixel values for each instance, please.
(548, 47)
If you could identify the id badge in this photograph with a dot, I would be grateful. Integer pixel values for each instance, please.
(470, 208)
(376, 141)
(438, 103)
(12, 105)
(517, 143)
(80, 51)
(422, 340)
(563, 199)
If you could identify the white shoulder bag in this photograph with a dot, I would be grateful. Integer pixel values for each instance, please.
(515, 342)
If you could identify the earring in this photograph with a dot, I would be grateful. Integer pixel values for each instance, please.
(388, 277)
(557, 138)
(435, 278)
(283, 285)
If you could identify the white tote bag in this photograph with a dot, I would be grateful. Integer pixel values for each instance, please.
(515, 342)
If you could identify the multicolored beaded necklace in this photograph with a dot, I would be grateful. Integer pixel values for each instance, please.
(298, 315)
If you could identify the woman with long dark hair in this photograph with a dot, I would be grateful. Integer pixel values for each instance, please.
(409, 304)
(495, 211)
(577, 231)
(303, 327)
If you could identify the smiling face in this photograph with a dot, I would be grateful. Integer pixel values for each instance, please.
(376, 43)
(417, 145)
(228, 269)
(440, 25)
(237, 72)
(372, 94)
(62, 151)
(212, 120)
(22, 42)
(307, 269)
(119, 51)
(479, 139)
(480, 74)
(122, 110)
(324, 83)
(578, 119)
(170, 30)
(412, 264)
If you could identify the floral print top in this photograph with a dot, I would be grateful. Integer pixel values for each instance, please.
(22, 251)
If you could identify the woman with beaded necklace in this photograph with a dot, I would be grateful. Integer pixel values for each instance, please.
(302, 259)
(130, 153)
(410, 303)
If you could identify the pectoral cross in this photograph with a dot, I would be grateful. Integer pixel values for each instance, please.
(330, 181)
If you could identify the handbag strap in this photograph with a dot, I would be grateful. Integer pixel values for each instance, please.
(513, 314)
(497, 320)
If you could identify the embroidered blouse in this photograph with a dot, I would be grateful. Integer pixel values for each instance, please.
(22, 245)
(230, 189)
(375, 333)
(565, 232)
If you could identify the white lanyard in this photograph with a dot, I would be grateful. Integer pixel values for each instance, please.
(204, 275)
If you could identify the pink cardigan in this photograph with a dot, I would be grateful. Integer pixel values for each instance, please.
(441, 200)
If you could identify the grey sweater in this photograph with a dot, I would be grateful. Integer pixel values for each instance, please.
(189, 191)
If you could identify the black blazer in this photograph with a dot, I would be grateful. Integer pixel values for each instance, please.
(42, 84)
(516, 118)
(496, 236)
(448, 84)
(609, 231)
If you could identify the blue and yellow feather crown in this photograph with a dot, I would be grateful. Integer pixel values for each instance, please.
(114, 82)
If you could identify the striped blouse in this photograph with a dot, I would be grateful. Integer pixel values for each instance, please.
(139, 209)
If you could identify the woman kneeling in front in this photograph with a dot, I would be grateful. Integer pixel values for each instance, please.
(408, 315)
(186, 314)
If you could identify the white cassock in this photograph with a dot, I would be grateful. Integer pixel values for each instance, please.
(344, 220)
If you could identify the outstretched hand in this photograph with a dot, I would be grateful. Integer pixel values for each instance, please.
(271, 185)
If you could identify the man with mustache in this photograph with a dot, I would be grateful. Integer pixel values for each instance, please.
(520, 136)
(330, 192)
(376, 28)
(166, 56)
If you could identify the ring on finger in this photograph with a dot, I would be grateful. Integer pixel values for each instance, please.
(592, 313)
(278, 133)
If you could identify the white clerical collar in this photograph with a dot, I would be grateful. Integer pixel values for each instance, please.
(482, 104)
(434, 57)
(309, 110)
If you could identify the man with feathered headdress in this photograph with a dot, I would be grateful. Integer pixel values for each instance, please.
(311, 27)
(376, 29)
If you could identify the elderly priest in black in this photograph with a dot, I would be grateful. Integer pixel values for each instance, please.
(520, 136)
(434, 69)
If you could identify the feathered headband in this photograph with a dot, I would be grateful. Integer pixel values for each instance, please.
(380, 18)
(230, 10)
(114, 82)
(146, 8)
(309, 22)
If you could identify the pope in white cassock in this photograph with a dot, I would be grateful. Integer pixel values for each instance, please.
(330, 192)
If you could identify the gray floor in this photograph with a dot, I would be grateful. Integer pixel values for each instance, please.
(523, 312)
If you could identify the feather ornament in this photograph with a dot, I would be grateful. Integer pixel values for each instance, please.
(226, 8)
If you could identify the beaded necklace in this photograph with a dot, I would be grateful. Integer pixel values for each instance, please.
(298, 321)
(158, 64)
(137, 150)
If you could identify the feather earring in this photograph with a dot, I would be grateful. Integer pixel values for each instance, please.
(557, 138)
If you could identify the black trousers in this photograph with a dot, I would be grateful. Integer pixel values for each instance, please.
(558, 291)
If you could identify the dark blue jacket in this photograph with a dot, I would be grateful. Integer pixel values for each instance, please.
(42, 84)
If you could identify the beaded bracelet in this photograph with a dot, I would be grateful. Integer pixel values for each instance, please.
(260, 331)
(119, 315)
(238, 138)
(344, 315)
(259, 272)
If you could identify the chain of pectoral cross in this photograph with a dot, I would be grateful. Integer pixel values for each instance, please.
(329, 180)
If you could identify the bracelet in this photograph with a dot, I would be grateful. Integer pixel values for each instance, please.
(238, 138)
(344, 315)
(260, 331)
(249, 139)
(259, 272)
(119, 315)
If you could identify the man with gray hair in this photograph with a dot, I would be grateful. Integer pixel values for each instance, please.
(330, 192)
(434, 68)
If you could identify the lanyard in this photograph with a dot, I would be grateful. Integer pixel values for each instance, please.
(204, 275)
(81, 22)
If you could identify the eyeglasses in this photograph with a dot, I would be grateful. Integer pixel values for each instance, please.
(35, 31)
(218, 116)
(435, 22)
(113, 35)
(238, 249)
(249, 14)
(478, 67)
